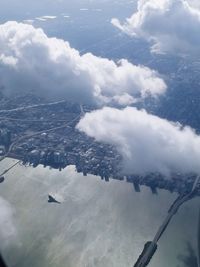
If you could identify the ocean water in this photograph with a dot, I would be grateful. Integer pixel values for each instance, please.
(97, 224)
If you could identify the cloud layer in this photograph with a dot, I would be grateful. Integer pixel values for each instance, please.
(29, 60)
(146, 142)
(169, 25)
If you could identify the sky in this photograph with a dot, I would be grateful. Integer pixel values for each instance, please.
(15, 9)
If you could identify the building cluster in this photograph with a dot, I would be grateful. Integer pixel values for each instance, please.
(46, 134)
(176, 183)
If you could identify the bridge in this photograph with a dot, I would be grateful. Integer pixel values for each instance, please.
(7, 170)
(151, 246)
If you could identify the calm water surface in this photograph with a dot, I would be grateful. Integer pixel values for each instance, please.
(98, 224)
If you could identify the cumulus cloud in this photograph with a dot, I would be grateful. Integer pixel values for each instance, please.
(29, 60)
(146, 142)
(169, 25)
(195, 3)
(8, 231)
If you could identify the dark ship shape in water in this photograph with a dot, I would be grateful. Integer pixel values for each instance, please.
(53, 200)
(2, 179)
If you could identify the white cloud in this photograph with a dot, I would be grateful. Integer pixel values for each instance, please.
(28, 21)
(169, 25)
(40, 19)
(195, 3)
(29, 60)
(146, 142)
(45, 18)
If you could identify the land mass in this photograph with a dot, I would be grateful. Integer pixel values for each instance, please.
(39, 132)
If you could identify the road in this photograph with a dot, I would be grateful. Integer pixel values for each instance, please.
(82, 110)
(82, 113)
(37, 133)
(32, 106)
(172, 211)
(26, 120)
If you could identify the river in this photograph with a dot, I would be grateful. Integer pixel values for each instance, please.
(98, 224)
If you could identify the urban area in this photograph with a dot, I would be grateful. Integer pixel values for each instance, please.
(38, 132)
